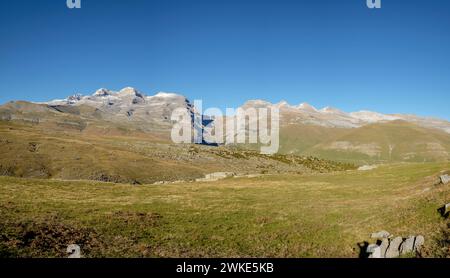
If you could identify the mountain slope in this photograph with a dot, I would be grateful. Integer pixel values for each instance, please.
(333, 117)
(37, 151)
(362, 137)
(386, 142)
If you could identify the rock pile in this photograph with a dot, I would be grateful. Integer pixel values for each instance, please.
(217, 176)
(389, 247)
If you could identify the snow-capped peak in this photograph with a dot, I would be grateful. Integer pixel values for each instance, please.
(128, 90)
(372, 117)
(329, 109)
(166, 95)
(102, 92)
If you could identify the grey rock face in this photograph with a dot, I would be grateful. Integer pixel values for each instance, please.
(420, 241)
(393, 250)
(374, 251)
(384, 246)
(445, 179)
(407, 245)
(149, 113)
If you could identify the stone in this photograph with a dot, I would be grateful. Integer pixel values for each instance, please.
(445, 210)
(445, 179)
(217, 176)
(407, 245)
(370, 248)
(393, 250)
(380, 234)
(74, 251)
(367, 167)
(374, 251)
(384, 246)
(418, 243)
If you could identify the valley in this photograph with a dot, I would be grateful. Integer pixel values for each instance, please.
(100, 171)
(300, 216)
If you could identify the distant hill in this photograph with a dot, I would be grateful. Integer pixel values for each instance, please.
(373, 143)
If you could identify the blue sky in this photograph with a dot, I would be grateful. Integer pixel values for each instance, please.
(325, 52)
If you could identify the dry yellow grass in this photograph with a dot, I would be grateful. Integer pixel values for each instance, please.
(320, 215)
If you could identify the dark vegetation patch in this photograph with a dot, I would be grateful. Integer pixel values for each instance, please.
(313, 163)
(105, 177)
(121, 234)
(44, 238)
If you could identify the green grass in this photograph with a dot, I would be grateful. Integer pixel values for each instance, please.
(395, 141)
(318, 215)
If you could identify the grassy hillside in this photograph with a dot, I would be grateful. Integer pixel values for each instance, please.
(377, 143)
(323, 215)
(298, 138)
(109, 154)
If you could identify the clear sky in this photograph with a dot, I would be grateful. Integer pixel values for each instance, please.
(325, 52)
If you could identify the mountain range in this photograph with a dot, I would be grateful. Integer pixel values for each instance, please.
(362, 137)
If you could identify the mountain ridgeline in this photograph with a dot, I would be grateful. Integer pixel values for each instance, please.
(125, 136)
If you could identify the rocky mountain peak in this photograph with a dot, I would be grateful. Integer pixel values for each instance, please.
(256, 103)
(129, 91)
(102, 92)
(307, 107)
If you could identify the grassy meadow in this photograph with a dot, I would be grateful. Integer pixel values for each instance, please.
(309, 215)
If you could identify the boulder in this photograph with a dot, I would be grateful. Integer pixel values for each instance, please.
(384, 246)
(418, 243)
(407, 245)
(380, 234)
(74, 251)
(374, 251)
(393, 250)
(445, 179)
